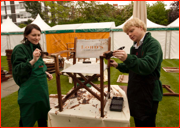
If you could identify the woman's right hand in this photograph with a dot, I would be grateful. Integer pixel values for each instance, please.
(113, 63)
(36, 55)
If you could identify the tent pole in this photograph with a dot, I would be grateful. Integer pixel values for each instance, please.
(8, 42)
(112, 40)
(170, 45)
(165, 46)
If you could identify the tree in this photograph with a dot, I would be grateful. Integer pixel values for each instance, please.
(105, 12)
(60, 10)
(122, 15)
(95, 12)
(157, 13)
(25, 23)
(33, 7)
(51, 5)
(22, 25)
(86, 10)
(174, 11)
(45, 11)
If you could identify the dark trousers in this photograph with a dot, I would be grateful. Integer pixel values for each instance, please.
(41, 123)
(151, 120)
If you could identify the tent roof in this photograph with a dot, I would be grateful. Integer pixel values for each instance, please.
(8, 26)
(97, 25)
(174, 23)
(150, 24)
(65, 27)
(83, 27)
(40, 22)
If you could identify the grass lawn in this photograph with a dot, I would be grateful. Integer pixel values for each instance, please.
(168, 111)
(4, 63)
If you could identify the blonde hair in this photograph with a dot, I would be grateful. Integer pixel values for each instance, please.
(134, 22)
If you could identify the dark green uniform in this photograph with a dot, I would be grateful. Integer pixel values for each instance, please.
(144, 87)
(33, 95)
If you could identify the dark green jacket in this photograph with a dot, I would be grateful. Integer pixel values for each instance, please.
(20, 58)
(150, 63)
(33, 94)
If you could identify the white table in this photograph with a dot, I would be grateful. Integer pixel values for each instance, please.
(77, 114)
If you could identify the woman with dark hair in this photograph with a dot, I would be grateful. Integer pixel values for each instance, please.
(29, 73)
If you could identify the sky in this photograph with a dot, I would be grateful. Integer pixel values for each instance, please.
(128, 2)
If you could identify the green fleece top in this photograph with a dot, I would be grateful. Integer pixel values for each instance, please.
(150, 63)
(20, 58)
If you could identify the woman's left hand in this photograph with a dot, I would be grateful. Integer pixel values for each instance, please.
(120, 54)
(50, 77)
